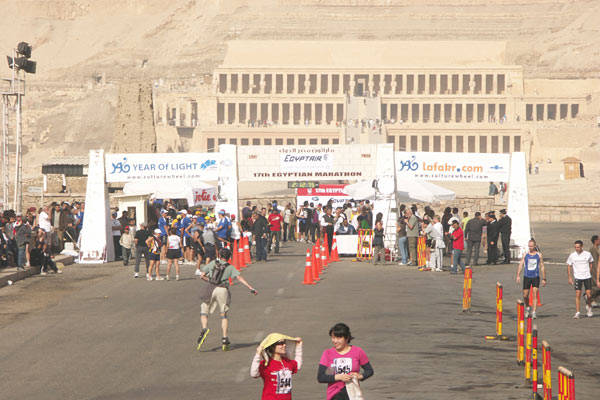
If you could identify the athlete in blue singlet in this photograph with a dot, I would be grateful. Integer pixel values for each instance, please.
(534, 267)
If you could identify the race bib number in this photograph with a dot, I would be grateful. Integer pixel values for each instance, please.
(342, 365)
(284, 381)
(532, 264)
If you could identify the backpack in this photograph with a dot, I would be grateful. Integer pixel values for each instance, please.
(216, 276)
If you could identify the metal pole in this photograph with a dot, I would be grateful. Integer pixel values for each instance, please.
(18, 155)
(5, 160)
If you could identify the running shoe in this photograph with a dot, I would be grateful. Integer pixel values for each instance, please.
(136, 275)
(176, 277)
(589, 313)
(148, 277)
(167, 278)
(198, 272)
(527, 310)
(159, 278)
(59, 271)
(226, 343)
(577, 314)
(163, 261)
(533, 315)
(401, 263)
(594, 304)
(43, 273)
(203, 335)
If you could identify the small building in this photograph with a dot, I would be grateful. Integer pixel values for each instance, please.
(573, 168)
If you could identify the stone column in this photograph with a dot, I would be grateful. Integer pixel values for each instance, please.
(426, 83)
(236, 111)
(262, 84)
(307, 84)
(239, 83)
(335, 112)
(381, 85)
(302, 119)
(312, 107)
(404, 81)
(329, 83)
(226, 113)
(228, 83)
(284, 89)
(296, 83)
(452, 112)
(371, 85)
(178, 115)
(165, 113)
(188, 113)
(420, 119)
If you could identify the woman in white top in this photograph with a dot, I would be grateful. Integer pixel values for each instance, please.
(236, 229)
(173, 252)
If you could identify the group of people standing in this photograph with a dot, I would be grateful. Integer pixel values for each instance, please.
(450, 234)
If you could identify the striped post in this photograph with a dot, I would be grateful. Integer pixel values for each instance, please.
(467, 289)
(528, 339)
(499, 295)
(534, 363)
(421, 259)
(520, 332)
(566, 384)
(547, 370)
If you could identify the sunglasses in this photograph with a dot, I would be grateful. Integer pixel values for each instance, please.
(281, 343)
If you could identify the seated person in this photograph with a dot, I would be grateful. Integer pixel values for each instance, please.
(346, 229)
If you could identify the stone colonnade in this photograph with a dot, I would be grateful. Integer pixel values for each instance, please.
(385, 83)
(494, 142)
(281, 113)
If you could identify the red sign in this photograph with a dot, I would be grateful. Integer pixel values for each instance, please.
(323, 190)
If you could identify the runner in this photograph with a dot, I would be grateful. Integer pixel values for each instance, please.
(186, 238)
(155, 245)
(277, 358)
(215, 294)
(341, 364)
(581, 262)
(534, 264)
(173, 253)
(163, 225)
(198, 245)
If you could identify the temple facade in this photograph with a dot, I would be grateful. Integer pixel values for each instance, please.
(421, 96)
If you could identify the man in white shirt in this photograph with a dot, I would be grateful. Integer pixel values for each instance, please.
(116, 234)
(45, 224)
(581, 262)
(436, 231)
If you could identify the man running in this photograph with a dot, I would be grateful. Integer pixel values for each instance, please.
(215, 294)
(581, 262)
(534, 264)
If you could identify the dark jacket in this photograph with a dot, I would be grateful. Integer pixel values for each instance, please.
(261, 226)
(23, 235)
(492, 231)
(505, 225)
(474, 229)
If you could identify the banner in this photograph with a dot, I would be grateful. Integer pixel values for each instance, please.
(96, 245)
(306, 162)
(323, 194)
(518, 202)
(205, 197)
(178, 166)
(453, 166)
(311, 162)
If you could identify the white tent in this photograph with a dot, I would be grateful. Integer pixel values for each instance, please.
(166, 189)
(408, 191)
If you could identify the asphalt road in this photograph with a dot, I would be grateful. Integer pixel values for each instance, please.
(100, 334)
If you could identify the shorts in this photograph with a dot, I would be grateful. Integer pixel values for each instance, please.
(163, 240)
(528, 282)
(586, 283)
(173, 254)
(428, 242)
(198, 249)
(210, 252)
(187, 241)
(154, 257)
(218, 301)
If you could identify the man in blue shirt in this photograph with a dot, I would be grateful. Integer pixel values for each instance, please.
(186, 239)
(222, 230)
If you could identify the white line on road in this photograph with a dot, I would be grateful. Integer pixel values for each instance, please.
(268, 310)
(241, 375)
(280, 291)
(290, 276)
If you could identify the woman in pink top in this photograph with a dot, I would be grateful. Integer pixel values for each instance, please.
(342, 363)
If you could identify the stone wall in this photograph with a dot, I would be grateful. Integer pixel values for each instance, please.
(560, 212)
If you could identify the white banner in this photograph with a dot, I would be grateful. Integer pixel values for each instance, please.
(453, 166)
(227, 190)
(518, 202)
(142, 166)
(312, 162)
(306, 162)
(96, 245)
(205, 197)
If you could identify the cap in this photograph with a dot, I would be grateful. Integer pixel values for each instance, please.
(114, 214)
(157, 231)
(163, 211)
(232, 216)
(19, 214)
(195, 217)
(222, 212)
(184, 212)
(503, 211)
(126, 227)
(31, 209)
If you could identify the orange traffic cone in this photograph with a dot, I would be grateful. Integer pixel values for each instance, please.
(247, 256)
(308, 278)
(318, 262)
(539, 303)
(240, 253)
(334, 250)
(234, 256)
(315, 267)
(323, 257)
